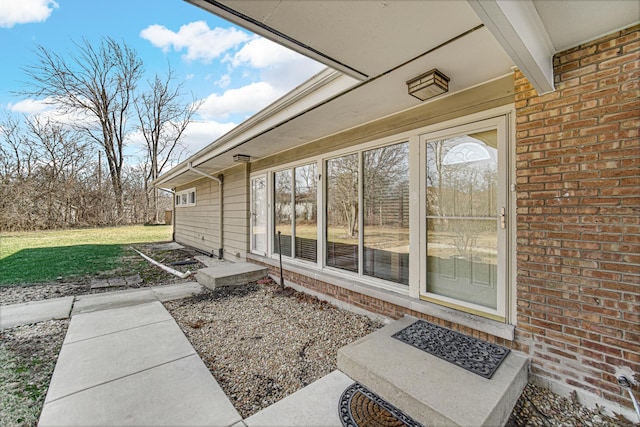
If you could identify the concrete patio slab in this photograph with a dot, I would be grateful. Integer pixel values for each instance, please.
(179, 393)
(114, 320)
(429, 389)
(176, 291)
(230, 274)
(107, 300)
(210, 261)
(36, 311)
(315, 405)
(94, 361)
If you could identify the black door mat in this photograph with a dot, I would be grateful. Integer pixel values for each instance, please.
(474, 355)
(360, 407)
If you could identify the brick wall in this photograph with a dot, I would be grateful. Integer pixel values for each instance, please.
(578, 218)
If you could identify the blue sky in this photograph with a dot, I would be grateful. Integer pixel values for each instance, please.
(218, 62)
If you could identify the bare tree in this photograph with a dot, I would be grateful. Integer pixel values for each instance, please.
(163, 118)
(43, 164)
(97, 83)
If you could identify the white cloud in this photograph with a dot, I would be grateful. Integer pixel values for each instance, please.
(247, 99)
(201, 42)
(14, 12)
(30, 106)
(224, 81)
(280, 67)
(263, 53)
(201, 133)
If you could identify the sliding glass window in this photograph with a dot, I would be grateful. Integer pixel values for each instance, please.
(376, 181)
(386, 213)
(342, 232)
(295, 212)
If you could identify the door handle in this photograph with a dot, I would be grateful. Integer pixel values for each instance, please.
(503, 218)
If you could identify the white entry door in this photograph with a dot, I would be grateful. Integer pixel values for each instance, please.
(259, 214)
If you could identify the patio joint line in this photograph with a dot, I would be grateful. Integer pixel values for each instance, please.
(122, 377)
(118, 331)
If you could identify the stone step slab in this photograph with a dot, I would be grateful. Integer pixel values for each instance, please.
(431, 390)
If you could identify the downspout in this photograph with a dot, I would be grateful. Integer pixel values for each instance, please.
(218, 179)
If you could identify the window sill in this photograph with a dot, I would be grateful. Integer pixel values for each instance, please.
(399, 298)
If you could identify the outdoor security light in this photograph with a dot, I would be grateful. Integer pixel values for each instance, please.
(427, 85)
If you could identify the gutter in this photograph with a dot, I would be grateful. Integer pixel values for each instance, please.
(218, 179)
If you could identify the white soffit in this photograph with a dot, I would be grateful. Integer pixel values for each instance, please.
(362, 38)
(570, 23)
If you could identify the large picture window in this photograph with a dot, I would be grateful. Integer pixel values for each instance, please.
(424, 214)
(342, 212)
(376, 181)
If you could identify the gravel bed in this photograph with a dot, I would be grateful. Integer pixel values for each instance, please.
(261, 346)
(28, 355)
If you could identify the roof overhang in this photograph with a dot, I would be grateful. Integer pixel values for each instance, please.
(376, 47)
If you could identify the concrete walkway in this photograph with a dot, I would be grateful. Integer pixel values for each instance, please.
(125, 361)
(132, 365)
(62, 308)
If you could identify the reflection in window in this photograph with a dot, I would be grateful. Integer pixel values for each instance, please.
(282, 211)
(342, 213)
(296, 211)
(462, 238)
(386, 213)
(306, 210)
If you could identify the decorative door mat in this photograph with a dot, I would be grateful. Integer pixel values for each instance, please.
(360, 407)
(474, 355)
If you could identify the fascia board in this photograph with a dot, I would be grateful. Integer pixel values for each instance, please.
(517, 27)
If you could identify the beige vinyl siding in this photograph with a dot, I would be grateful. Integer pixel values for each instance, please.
(489, 95)
(197, 225)
(236, 212)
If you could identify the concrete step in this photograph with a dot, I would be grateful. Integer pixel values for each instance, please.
(230, 274)
(431, 390)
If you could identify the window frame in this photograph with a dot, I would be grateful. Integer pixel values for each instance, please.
(191, 198)
(272, 235)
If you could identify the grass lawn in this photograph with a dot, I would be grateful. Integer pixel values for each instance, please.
(43, 256)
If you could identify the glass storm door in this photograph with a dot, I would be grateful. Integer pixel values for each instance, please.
(464, 222)
(259, 214)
